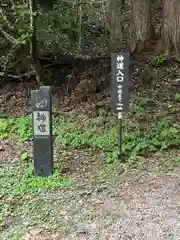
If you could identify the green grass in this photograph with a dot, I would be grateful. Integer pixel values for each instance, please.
(32, 198)
(14, 233)
(42, 211)
(139, 141)
(177, 97)
(19, 128)
(19, 188)
(18, 181)
(158, 134)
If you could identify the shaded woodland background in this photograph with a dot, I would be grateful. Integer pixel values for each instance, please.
(53, 42)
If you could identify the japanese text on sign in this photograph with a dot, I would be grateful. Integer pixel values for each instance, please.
(120, 65)
(41, 123)
(119, 79)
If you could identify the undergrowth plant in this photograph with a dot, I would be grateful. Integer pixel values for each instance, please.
(16, 127)
(20, 181)
(159, 60)
(141, 140)
(177, 97)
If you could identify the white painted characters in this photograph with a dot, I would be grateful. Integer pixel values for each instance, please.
(41, 123)
(119, 79)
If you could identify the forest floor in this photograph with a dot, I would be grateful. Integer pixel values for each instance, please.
(92, 195)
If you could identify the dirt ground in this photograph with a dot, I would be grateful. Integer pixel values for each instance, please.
(148, 210)
(141, 204)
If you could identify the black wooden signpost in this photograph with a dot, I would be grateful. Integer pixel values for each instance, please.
(120, 70)
(42, 131)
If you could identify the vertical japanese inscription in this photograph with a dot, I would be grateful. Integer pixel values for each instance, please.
(41, 123)
(42, 131)
(120, 81)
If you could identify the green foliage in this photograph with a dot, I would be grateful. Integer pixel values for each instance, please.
(21, 197)
(20, 181)
(138, 109)
(70, 26)
(139, 141)
(3, 129)
(20, 127)
(159, 60)
(166, 136)
(177, 97)
(31, 198)
(19, 14)
(24, 156)
(111, 157)
(1, 219)
(22, 15)
(91, 137)
(24, 128)
(142, 107)
(169, 165)
(61, 26)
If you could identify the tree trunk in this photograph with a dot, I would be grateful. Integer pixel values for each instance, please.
(114, 20)
(35, 63)
(170, 35)
(141, 28)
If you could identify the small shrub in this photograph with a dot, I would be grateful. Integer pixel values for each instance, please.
(177, 97)
(159, 60)
(24, 128)
(3, 129)
(20, 127)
